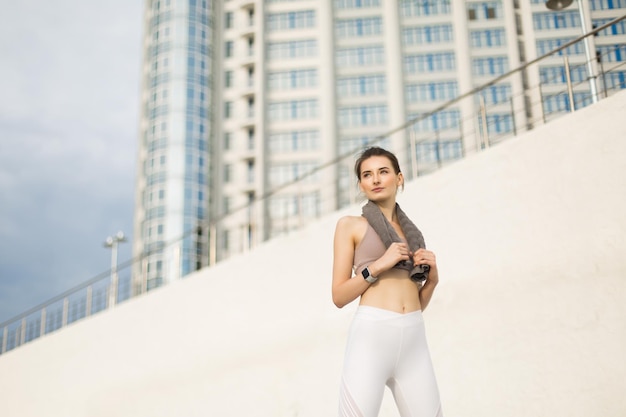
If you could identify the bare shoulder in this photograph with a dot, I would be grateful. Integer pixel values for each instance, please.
(350, 222)
(353, 226)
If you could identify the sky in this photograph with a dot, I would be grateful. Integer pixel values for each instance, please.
(69, 120)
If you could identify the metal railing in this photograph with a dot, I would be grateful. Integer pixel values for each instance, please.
(430, 148)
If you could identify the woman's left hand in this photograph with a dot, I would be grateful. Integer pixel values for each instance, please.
(424, 256)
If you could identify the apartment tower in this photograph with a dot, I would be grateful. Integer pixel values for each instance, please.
(242, 97)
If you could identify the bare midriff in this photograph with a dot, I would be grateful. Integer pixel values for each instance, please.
(393, 291)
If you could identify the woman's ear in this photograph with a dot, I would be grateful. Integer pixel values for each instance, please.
(400, 180)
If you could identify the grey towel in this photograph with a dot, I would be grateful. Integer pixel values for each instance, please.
(388, 235)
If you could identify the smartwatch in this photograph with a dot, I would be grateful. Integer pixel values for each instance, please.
(367, 275)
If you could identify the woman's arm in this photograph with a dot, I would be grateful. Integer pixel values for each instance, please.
(344, 289)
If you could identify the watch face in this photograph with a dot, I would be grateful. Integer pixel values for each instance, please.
(366, 273)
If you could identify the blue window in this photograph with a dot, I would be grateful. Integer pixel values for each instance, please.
(361, 85)
(556, 74)
(434, 91)
(499, 123)
(446, 119)
(547, 45)
(497, 94)
(291, 20)
(366, 115)
(485, 11)
(359, 27)
(427, 34)
(367, 55)
(556, 20)
(612, 53)
(487, 38)
(356, 4)
(490, 66)
(607, 4)
(618, 28)
(433, 62)
(410, 8)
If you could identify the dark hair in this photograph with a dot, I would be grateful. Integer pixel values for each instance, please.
(375, 151)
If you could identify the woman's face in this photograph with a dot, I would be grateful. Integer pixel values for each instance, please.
(378, 180)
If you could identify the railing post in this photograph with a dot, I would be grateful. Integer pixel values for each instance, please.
(543, 111)
(5, 335)
(483, 118)
(42, 327)
(212, 244)
(88, 301)
(599, 59)
(66, 308)
(513, 117)
(23, 331)
(570, 90)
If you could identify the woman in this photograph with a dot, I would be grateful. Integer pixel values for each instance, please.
(386, 344)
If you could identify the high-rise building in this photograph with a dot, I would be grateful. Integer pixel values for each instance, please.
(241, 97)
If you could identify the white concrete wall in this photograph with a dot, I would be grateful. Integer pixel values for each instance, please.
(529, 318)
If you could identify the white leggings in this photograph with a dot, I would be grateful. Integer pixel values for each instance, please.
(388, 348)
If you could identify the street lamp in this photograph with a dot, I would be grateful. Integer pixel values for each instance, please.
(112, 242)
(557, 5)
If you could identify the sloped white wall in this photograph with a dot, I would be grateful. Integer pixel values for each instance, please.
(529, 318)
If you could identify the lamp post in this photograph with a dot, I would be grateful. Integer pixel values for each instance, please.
(112, 242)
(557, 5)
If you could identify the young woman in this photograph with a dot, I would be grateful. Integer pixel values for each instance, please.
(387, 343)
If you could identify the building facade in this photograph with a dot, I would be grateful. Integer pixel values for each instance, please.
(241, 98)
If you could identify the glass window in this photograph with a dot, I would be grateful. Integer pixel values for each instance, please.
(228, 109)
(556, 20)
(433, 91)
(612, 53)
(607, 4)
(292, 79)
(432, 62)
(410, 8)
(227, 141)
(356, 4)
(359, 27)
(545, 46)
(228, 79)
(360, 56)
(228, 173)
(419, 35)
(286, 172)
(490, 66)
(292, 49)
(291, 20)
(293, 110)
(488, 38)
(556, 74)
(228, 20)
(618, 28)
(228, 49)
(485, 10)
(293, 141)
(367, 115)
(446, 119)
(497, 94)
(361, 86)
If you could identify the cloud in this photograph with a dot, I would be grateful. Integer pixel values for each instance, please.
(68, 133)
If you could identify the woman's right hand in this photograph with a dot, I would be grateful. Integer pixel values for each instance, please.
(395, 253)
